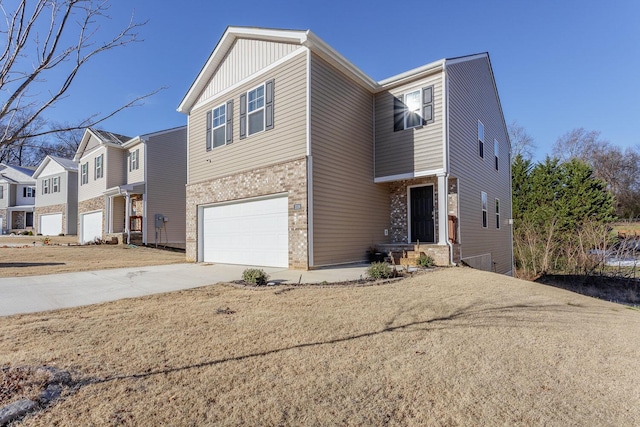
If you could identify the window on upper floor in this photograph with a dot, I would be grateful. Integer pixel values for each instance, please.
(498, 214)
(84, 174)
(1, 192)
(256, 109)
(29, 191)
(45, 186)
(495, 152)
(98, 171)
(484, 210)
(413, 109)
(480, 139)
(134, 160)
(55, 186)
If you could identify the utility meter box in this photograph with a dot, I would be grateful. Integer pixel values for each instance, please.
(159, 220)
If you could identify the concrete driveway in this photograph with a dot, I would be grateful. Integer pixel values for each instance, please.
(40, 293)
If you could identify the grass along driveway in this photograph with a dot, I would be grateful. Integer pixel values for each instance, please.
(452, 347)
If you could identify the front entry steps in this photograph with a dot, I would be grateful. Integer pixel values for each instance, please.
(403, 254)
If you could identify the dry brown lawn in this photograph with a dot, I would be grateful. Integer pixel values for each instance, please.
(451, 347)
(28, 256)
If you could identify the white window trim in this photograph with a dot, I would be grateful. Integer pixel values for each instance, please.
(84, 173)
(55, 184)
(45, 186)
(485, 214)
(480, 140)
(496, 148)
(100, 168)
(30, 192)
(263, 108)
(134, 161)
(224, 123)
(406, 109)
(497, 214)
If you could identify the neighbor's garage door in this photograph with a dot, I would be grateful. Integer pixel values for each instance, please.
(91, 227)
(51, 224)
(248, 233)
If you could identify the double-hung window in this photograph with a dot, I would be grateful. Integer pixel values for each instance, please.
(29, 192)
(1, 191)
(480, 139)
(484, 210)
(84, 174)
(134, 160)
(256, 109)
(413, 109)
(219, 125)
(498, 214)
(495, 152)
(55, 186)
(45, 186)
(99, 170)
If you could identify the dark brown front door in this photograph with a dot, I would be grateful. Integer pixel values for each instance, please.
(422, 222)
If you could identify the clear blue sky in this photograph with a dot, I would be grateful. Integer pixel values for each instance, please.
(559, 65)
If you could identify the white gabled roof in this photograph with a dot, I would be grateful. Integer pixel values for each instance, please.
(67, 164)
(17, 174)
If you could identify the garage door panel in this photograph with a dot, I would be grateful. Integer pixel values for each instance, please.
(91, 227)
(249, 233)
(50, 224)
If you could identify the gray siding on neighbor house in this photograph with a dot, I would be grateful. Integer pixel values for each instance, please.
(350, 212)
(411, 150)
(245, 58)
(472, 97)
(72, 202)
(166, 165)
(52, 198)
(286, 141)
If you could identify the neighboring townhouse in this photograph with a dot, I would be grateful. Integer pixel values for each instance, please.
(56, 196)
(298, 159)
(17, 198)
(132, 189)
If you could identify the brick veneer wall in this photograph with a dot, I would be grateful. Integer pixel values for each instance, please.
(289, 177)
(91, 205)
(44, 210)
(399, 215)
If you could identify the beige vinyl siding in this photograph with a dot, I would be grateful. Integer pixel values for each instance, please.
(166, 163)
(136, 175)
(411, 150)
(350, 212)
(52, 198)
(94, 187)
(118, 215)
(245, 58)
(471, 98)
(286, 141)
(115, 167)
(91, 144)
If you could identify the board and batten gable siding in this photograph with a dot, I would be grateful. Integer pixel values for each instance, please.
(286, 141)
(52, 198)
(166, 163)
(472, 97)
(245, 58)
(410, 150)
(136, 175)
(350, 211)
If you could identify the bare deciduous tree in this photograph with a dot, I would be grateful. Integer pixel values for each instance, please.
(521, 142)
(46, 44)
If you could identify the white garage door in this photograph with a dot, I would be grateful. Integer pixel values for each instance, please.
(51, 224)
(247, 233)
(91, 227)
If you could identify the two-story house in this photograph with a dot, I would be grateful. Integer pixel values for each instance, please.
(132, 189)
(17, 198)
(56, 206)
(297, 158)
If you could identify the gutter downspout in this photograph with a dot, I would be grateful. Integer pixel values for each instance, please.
(445, 131)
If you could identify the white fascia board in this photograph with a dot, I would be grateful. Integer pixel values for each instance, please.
(221, 49)
(413, 74)
(132, 142)
(409, 175)
(452, 61)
